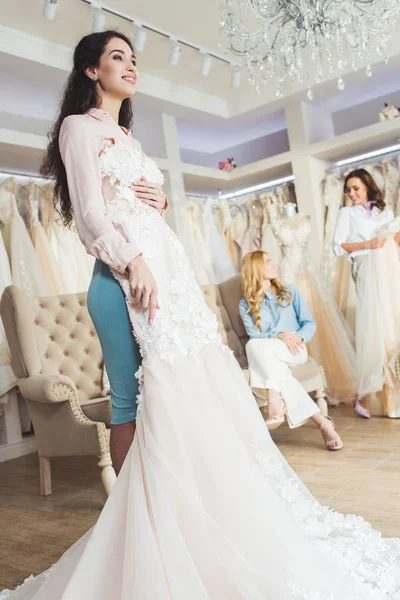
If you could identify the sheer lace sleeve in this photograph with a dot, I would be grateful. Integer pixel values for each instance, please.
(80, 154)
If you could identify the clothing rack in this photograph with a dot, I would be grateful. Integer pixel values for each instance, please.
(363, 159)
(18, 175)
(246, 193)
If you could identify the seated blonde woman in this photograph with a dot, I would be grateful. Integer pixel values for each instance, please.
(279, 325)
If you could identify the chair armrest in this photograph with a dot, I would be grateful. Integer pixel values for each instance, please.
(47, 388)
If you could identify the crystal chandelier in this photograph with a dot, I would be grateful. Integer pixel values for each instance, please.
(306, 41)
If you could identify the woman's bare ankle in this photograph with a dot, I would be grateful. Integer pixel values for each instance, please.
(276, 404)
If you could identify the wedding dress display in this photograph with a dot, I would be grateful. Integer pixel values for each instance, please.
(331, 345)
(25, 268)
(240, 219)
(392, 183)
(224, 222)
(269, 243)
(252, 237)
(74, 264)
(336, 272)
(205, 506)
(333, 196)
(8, 380)
(222, 264)
(201, 260)
(45, 255)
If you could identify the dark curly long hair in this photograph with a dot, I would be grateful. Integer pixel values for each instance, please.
(374, 193)
(79, 96)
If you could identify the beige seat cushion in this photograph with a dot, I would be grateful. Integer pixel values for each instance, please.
(98, 409)
(214, 301)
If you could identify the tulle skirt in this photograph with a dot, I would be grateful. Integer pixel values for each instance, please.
(377, 277)
(332, 346)
(206, 508)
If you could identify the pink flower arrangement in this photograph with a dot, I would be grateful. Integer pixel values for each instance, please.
(226, 165)
(389, 112)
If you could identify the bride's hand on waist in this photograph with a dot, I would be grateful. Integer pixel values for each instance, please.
(143, 287)
(150, 193)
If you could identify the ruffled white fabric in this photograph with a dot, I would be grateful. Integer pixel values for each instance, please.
(205, 507)
(378, 316)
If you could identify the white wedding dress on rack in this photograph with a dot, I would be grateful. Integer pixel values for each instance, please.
(44, 252)
(205, 507)
(25, 268)
(332, 345)
(336, 271)
(8, 379)
(201, 260)
(222, 263)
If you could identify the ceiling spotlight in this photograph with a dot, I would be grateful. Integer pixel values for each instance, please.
(140, 38)
(98, 20)
(49, 9)
(235, 79)
(206, 65)
(175, 55)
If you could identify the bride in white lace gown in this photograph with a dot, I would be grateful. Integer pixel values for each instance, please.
(205, 507)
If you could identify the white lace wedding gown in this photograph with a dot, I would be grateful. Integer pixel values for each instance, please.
(205, 507)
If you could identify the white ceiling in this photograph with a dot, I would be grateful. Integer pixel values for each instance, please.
(241, 115)
(194, 21)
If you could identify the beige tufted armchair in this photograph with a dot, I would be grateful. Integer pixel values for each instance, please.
(57, 357)
(224, 300)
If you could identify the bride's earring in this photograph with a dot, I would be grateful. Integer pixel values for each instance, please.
(94, 78)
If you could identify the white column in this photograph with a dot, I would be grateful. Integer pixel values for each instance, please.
(307, 124)
(174, 184)
(177, 216)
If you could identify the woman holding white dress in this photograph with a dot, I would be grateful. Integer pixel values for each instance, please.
(279, 325)
(369, 234)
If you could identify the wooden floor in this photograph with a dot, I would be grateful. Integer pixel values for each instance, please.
(363, 478)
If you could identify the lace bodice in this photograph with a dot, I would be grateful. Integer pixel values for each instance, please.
(184, 324)
(292, 235)
(125, 163)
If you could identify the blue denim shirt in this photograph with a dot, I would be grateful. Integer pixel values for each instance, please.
(295, 317)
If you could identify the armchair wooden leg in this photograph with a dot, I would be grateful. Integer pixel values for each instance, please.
(321, 401)
(45, 476)
(108, 475)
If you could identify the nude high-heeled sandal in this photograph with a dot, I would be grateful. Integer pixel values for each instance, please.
(279, 419)
(335, 443)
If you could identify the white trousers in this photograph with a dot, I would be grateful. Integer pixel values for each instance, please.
(269, 365)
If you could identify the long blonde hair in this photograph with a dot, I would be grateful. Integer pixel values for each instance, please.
(252, 285)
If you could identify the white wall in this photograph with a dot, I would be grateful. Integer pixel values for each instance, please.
(148, 129)
(363, 114)
(246, 153)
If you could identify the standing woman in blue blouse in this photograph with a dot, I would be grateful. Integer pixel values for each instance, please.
(279, 325)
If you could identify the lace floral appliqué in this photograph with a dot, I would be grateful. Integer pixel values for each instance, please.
(184, 324)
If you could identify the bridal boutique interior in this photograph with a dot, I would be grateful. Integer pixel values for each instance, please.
(293, 145)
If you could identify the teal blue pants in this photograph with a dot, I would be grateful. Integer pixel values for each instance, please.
(109, 313)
